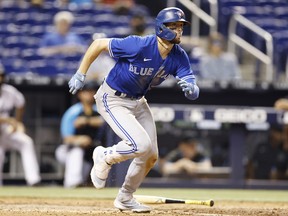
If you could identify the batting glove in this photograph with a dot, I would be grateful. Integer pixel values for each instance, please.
(190, 90)
(76, 83)
(186, 87)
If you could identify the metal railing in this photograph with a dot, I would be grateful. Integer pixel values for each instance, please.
(234, 39)
(197, 14)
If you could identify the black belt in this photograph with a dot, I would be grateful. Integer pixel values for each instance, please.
(120, 94)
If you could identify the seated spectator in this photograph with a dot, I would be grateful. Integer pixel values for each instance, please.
(270, 158)
(62, 41)
(217, 64)
(66, 3)
(265, 162)
(138, 25)
(282, 104)
(81, 131)
(37, 3)
(186, 159)
(282, 160)
(12, 131)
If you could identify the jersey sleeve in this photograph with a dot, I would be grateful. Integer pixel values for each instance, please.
(184, 70)
(19, 99)
(67, 122)
(124, 47)
(16, 97)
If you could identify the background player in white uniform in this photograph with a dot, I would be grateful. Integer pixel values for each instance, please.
(12, 131)
(143, 62)
(81, 132)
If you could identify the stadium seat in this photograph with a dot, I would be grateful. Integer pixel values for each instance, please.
(73, 58)
(85, 31)
(271, 24)
(271, 3)
(252, 11)
(82, 20)
(280, 42)
(52, 67)
(5, 17)
(3, 31)
(21, 42)
(14, 42)
(87, 9)
(281, 12)
(225, 8)
(12, 7)
(10, 52)
(15, 65)
(103, 20)
(38, 30)
(30, 55)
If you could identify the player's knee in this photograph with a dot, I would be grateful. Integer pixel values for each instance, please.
(61, 153)
(28, 142)
(144, 146)
(152, 160)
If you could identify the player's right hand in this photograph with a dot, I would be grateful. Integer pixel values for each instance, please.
(76, 83)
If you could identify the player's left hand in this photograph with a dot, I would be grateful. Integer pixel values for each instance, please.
(188, 88)
(76, 83)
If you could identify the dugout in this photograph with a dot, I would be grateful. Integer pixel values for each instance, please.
(43, 120)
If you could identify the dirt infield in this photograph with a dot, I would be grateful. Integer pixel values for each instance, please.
(32, 206)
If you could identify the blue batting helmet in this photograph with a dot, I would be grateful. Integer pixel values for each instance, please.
(168, 15)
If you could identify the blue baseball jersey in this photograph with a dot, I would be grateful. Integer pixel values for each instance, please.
(140, 65)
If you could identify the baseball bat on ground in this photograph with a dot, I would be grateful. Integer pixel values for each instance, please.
(164, 200)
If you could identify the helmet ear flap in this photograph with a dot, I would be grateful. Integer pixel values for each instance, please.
(163, 32)
(168, 33)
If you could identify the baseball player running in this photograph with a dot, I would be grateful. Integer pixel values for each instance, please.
(143, 62)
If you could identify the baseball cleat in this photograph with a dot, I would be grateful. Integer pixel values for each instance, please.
(100, 170)
(131, 205)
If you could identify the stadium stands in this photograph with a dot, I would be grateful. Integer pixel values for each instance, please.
(22, 26)
(270, 15)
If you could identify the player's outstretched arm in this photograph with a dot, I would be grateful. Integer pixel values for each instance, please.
(76, 83)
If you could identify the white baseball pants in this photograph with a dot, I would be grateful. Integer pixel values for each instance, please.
(24, 145)
(133, 122)
(76, 168)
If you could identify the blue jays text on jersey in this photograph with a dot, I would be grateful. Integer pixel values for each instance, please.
(140, 65)
(141, 71)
